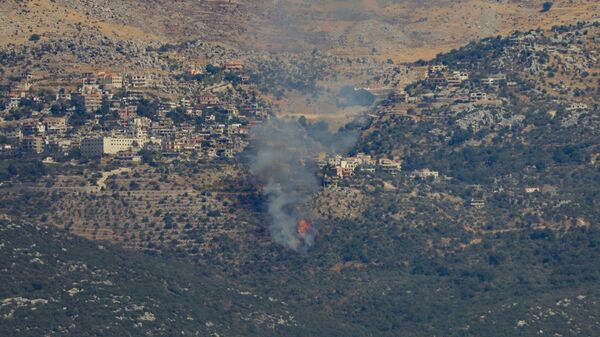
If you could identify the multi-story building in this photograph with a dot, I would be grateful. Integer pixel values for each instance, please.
(389, 165)
(7, 149)
(437, 68)
(114, 145)
(463, 76)
(110, 80)
(233, 66)
(577, 106)
(209, 100)
(478, 96)
(32, 128)
(92, 101)
(56, 124)
(454, 80)
(14, 100)
(98, 146)
(33, 144)
(425, 173)
(91, 147)
(139, 80)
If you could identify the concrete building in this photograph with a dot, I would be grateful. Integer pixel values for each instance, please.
(33, 144)
(91, 147)
(463, 76)
(577, 106)
(437, 68)
(98, 146)
(114, 145)
(56, 124)
(233, 66)
(110, 80)
(389, 165)
(32, 128)
(454, 80)
(477, 203)
(92, 101)
(425, 173)
(14, 100)
(139, 80)
(478, 96)
(209, 100)
(7, 149)
(365, 159)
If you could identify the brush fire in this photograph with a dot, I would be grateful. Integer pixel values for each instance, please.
(282, 160)
(304, 227)
(306, 234)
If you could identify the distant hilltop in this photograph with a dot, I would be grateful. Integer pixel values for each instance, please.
(403, 30)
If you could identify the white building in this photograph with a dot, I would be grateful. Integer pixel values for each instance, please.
(437, 68)
(349, 163)
(425, 173)
(139, 80)
(577, 106)
(110, 80)
(335, 160)
(389, 165)
(114, 145)
(463, 76)
(478, 96)
(98, 146)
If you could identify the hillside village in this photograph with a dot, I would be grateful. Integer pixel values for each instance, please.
(465, 168)
(122, 122)
(112, 114)
(119, 116)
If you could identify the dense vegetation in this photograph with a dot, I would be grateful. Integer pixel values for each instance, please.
(55, 283)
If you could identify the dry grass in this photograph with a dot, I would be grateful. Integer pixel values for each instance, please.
(404, 31)
(48, 17)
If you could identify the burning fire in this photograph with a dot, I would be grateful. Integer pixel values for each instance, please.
(304, 227)
(306, 235)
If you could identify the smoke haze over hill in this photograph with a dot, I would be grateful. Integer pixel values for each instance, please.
(284, 160)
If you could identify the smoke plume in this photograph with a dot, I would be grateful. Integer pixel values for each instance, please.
(283, 159)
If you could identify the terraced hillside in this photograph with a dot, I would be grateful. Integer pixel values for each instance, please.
(130, 206)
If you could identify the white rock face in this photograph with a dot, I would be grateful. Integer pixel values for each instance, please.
(148, 317)
(74, 291)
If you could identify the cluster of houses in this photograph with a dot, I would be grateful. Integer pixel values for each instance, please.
(441, 76)
(116, 125)
(17, 92)
(209, 141)
(448, 84)
(338, 167)
(37, 136)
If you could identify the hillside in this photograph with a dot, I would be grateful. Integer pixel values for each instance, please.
(54, 283)
(489, 228)
(166, 168)
(402, 30)
(357, 39)
(405, 30)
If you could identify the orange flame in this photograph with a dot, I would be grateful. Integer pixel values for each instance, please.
(304, 227)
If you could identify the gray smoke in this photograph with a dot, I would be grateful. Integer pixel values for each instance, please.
(283, 159)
